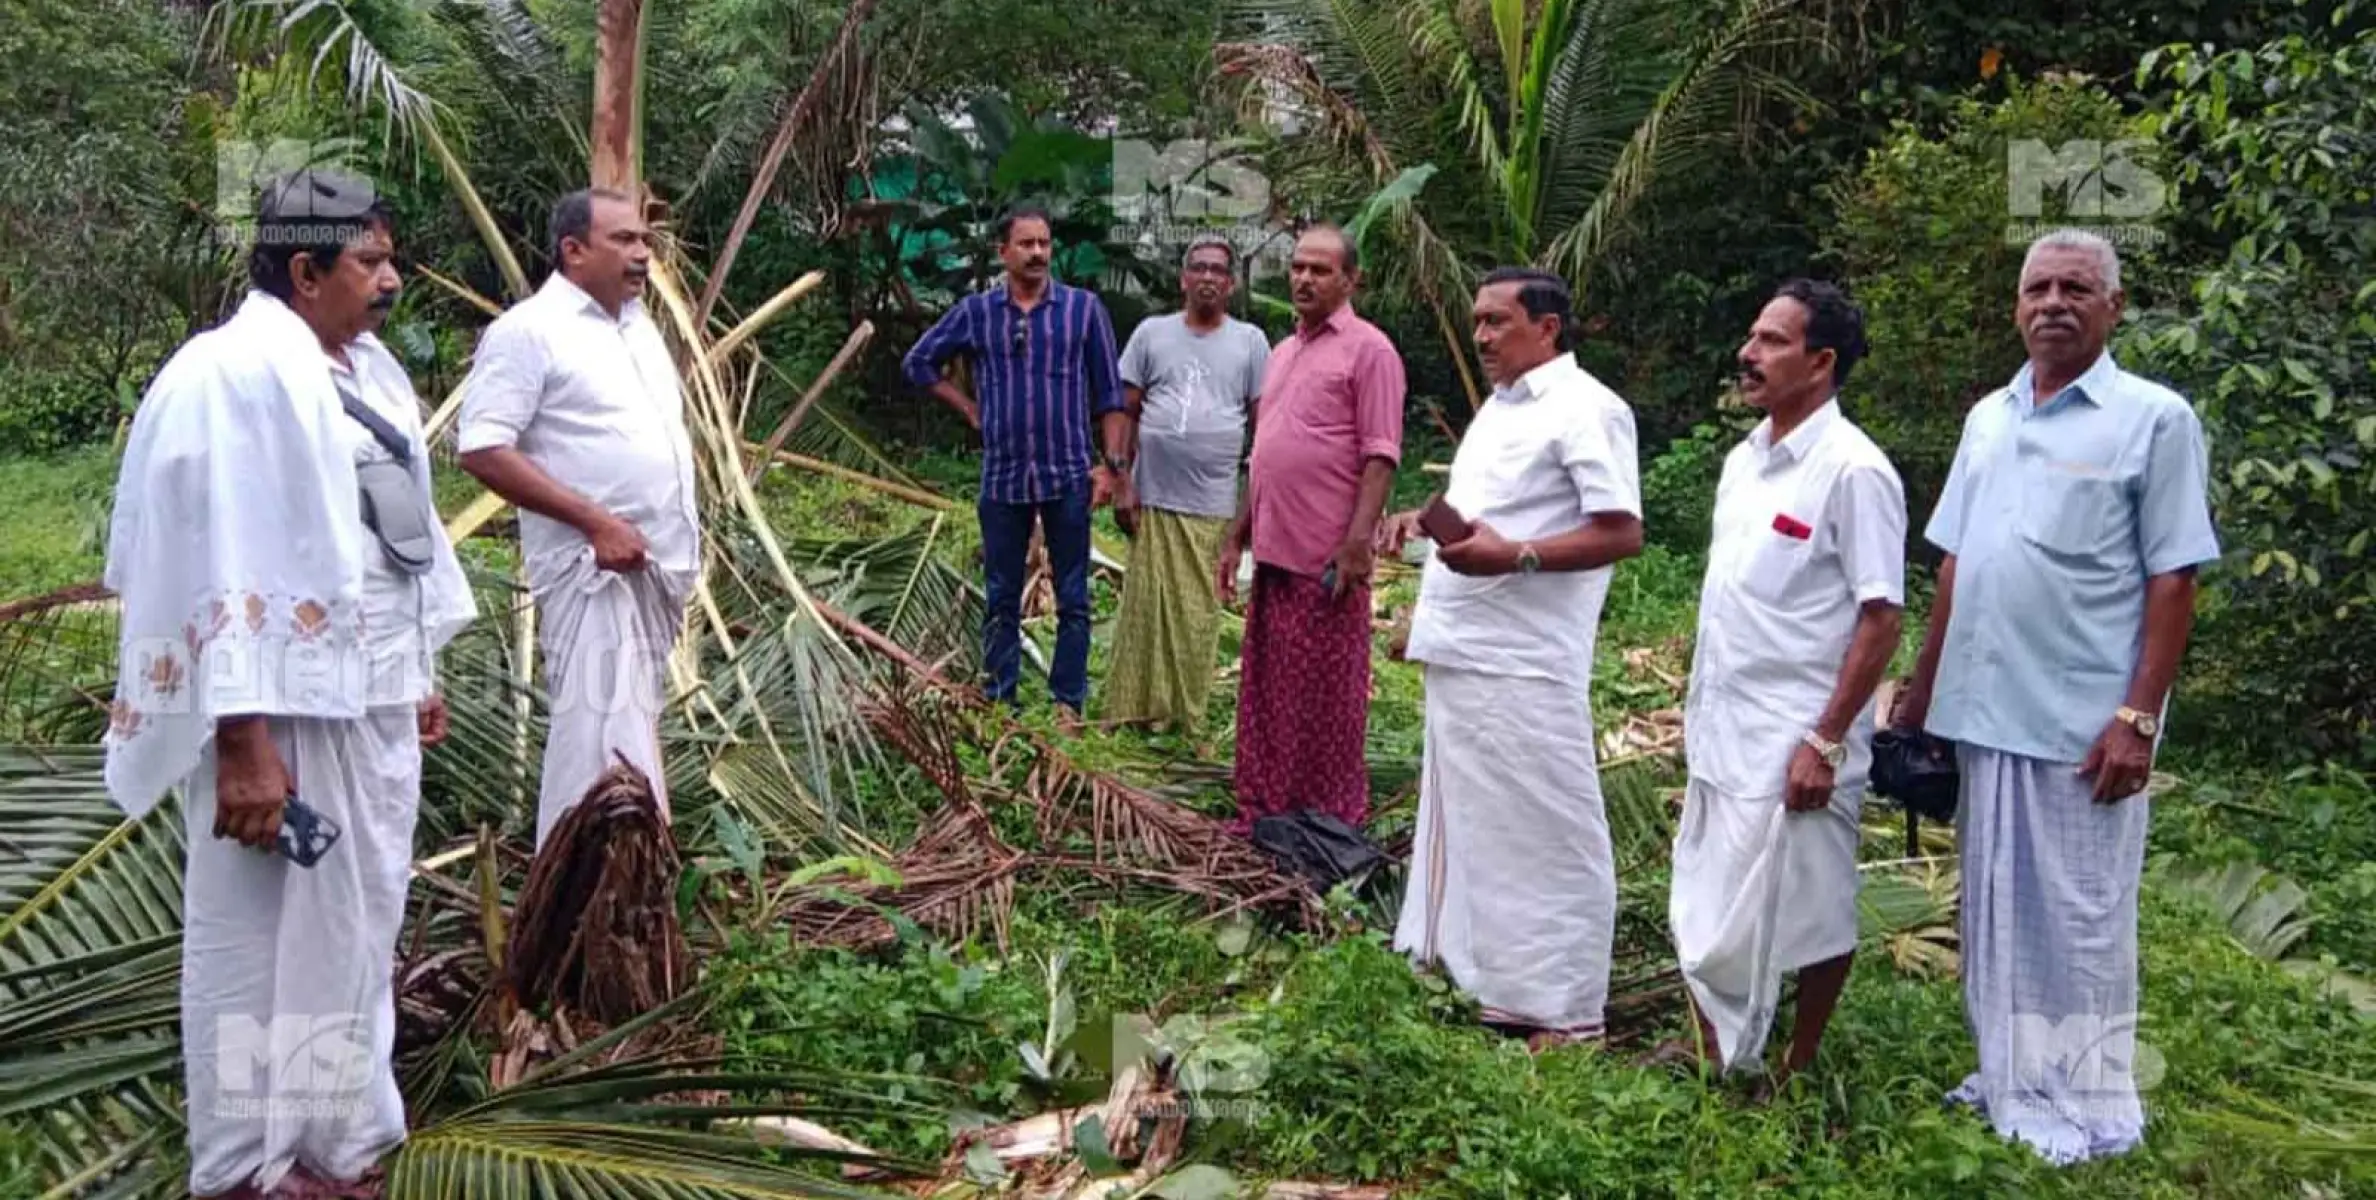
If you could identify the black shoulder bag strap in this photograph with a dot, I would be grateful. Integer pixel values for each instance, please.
(350, 398)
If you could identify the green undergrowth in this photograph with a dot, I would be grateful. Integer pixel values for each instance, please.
(1347, 1065)
(53, 520)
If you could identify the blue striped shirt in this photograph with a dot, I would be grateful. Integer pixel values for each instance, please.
(1038, 377)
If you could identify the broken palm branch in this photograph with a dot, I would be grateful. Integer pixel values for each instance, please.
(596, 927)
(841, 360)
(958, 877)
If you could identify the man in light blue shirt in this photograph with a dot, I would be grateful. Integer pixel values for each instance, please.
(2073, 520)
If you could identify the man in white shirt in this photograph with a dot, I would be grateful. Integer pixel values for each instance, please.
(572, 412)
(278, 643)
(1798, 617)
(1513, 887)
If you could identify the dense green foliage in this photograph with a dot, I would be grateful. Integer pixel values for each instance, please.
(1875, 149)
(2276, 341)
(91, 239)
(1923, 239)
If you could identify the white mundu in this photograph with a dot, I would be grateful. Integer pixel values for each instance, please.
(1806, 531)
(1513, 885)
(251, 587)
(593, 401)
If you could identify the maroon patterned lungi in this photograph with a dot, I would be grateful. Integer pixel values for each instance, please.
(1303, 700)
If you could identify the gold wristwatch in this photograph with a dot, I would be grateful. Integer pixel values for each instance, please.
(2145, 723)
(1833, 753)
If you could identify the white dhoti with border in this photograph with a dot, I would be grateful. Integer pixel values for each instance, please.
(1513, 885)
(1758, 890)
(606, 638)
(2049, 927)
(288, 1001)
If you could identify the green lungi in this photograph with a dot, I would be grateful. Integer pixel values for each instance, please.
(1165, 634)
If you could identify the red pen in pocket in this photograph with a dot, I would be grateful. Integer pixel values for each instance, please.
(1791, 527)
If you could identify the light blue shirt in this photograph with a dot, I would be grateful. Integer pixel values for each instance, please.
(2057, 514)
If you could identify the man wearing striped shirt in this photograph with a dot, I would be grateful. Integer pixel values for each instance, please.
(1043, 361)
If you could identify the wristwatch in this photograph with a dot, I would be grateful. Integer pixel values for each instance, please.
(1832, 753)
(1116, 465)
(1528, 561)
(2145, 723)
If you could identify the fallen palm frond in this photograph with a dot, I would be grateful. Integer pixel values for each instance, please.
(57, 666)
(596, 928)
(960, 874)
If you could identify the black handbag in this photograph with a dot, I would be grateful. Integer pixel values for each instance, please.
(1917, 771)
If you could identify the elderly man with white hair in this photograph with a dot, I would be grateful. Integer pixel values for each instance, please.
(2073, 521)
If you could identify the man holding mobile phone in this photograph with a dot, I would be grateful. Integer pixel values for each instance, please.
(1325, 448)
(1513, 886)
(278, 643)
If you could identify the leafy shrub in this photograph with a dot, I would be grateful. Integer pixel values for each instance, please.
(1679, 488)
(948, 1020)
(42, 412)
(2277, 344)
(1924, 236)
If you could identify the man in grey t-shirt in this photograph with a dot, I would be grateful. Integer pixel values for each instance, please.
(1190, 380)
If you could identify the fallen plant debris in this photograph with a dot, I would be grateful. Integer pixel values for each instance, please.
(1644, 735)
(596, 928)
(959, 874)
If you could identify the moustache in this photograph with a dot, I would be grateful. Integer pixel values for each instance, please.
(1752, 375)
(383, 302)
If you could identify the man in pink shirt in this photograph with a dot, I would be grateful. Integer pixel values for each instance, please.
(1327, 437)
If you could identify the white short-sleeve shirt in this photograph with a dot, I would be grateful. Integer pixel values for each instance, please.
(1806, 531)
(1542, 456)
(593, 401)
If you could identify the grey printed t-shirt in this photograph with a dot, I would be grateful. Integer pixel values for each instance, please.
(1192, 430)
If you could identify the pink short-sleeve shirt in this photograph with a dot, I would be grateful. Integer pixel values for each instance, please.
(1332, 399)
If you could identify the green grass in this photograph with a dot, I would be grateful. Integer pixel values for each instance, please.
(1365, 1070)
(53, 520)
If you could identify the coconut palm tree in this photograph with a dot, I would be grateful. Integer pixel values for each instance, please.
(1551, 122)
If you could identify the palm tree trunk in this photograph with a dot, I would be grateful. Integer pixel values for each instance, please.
(617, 94)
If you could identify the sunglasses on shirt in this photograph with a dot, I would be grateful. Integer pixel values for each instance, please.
(1022, 340)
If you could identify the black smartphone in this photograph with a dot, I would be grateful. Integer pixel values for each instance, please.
(305, 835)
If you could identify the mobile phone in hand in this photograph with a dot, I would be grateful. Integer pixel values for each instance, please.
(305, 835)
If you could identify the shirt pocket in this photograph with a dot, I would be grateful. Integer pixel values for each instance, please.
(2076, 514)
(1775, 567)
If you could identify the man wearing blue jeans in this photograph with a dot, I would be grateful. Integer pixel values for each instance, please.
(1043, 361)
